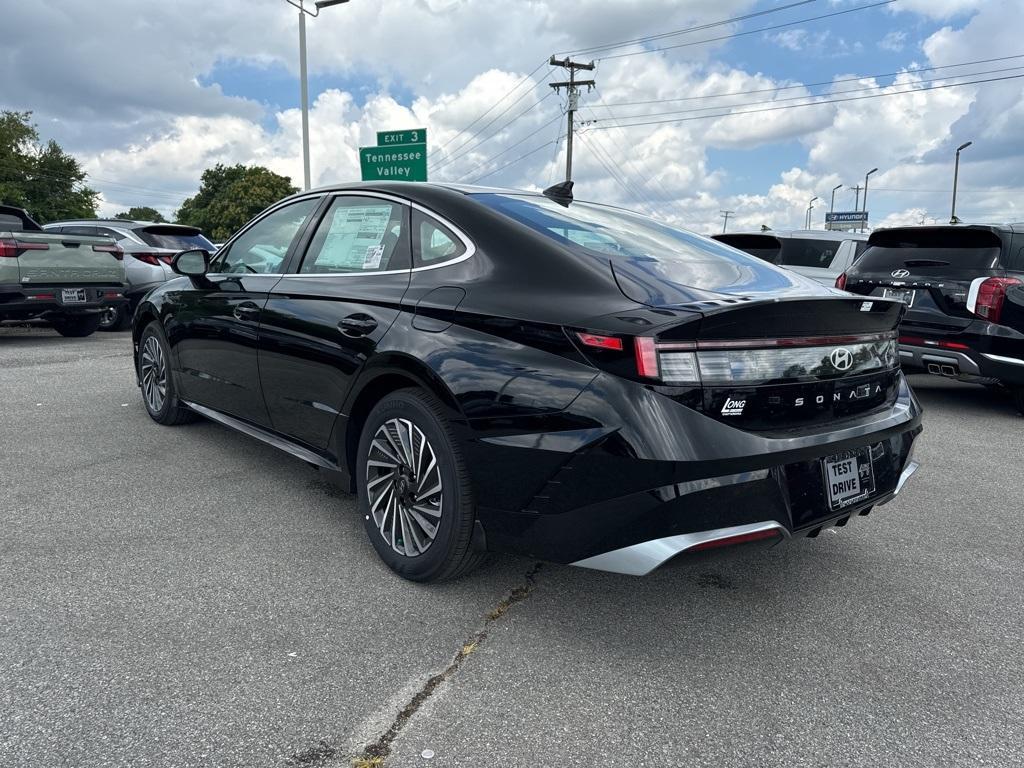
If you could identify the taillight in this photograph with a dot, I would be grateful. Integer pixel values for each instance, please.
(600, 342)
(113, 249)
(153, 259)
(729, 362)
(987, 296)
(841, 282)
(11, 248)
(672, 363)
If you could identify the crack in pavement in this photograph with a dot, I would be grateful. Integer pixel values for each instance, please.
(375, 753)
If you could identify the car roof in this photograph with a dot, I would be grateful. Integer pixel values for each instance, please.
(123, 223)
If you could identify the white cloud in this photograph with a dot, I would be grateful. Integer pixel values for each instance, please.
(893, 41)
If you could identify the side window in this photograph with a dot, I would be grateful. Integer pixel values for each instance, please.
(80, 230)
(110, 233)
(434, 242)
(359, 234)
(262, 248)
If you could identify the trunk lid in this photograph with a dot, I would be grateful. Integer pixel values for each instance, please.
(929, 268)
(67, 260)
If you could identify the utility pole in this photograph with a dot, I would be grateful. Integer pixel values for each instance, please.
(857, 189)
(572, 88)
(726, 215)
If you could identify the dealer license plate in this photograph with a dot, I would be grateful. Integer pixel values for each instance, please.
(849, 477)
(73, 296)
(900, 294)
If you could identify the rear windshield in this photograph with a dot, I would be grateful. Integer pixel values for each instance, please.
(609, 231)
(932, 247)
(786, 251)
(12, 220)
(765, 247)
(174, 238)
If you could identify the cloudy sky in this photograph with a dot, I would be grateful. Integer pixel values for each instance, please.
(150, 94)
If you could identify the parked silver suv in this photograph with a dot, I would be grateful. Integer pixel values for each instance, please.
(819, 254)
(148, 248)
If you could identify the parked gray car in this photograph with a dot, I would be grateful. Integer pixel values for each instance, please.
(148, 248)
(822, 255)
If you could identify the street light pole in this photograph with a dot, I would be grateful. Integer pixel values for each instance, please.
(832, 205)
(956, 173)
(303, 80)
(866, 175)
(810, 207)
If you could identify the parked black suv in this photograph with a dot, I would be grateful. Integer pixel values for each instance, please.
(964, 290)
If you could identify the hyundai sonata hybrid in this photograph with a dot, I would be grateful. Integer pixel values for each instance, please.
(494, 370)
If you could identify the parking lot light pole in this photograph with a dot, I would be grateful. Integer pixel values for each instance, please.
(832, 204)
(303, 81)
(863, 224)
(810, 207)
(956, 173)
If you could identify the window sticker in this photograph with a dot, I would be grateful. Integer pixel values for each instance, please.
(374, 253)
(355, 238)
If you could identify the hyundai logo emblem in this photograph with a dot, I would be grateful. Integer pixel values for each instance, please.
(842, 359)
(900, 273)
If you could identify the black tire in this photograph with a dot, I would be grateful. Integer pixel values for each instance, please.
(76, 326)
(1018, 399)
(450, 553)
(169, 409)
(115, 319)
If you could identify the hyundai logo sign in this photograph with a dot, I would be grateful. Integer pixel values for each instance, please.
(842, 359)
(900, 273)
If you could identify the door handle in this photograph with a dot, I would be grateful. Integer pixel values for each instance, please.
(247, 310)
(357, 325)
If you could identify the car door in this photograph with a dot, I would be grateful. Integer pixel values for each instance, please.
(327, 315)
(215, 328)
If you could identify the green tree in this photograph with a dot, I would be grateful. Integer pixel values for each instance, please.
(42, 178)
(142, 213)
(229, 196)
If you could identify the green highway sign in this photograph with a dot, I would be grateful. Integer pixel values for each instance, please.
(398, 162)
(414, 136)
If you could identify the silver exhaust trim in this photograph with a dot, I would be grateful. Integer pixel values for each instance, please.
(640, 559)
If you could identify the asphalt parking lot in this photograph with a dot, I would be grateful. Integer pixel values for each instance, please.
(186, 596)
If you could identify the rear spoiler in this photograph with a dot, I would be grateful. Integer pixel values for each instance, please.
(26, 223)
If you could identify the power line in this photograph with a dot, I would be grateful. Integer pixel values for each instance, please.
(617, 172)
(666, 195)
(518, 159)
(808, 104)
(751, 31)
(868, 89)
(495, 104)
(809, 85)
(513, 146)
(468, 146)
(687, 30)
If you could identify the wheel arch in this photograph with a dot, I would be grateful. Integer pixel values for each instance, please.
(387, 374)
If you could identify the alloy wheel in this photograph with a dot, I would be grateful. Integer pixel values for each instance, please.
(154, 374)
(404, 487)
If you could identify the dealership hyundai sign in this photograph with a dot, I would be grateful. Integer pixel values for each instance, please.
(852, 217)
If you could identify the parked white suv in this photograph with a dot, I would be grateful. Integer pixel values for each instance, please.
(148, 248)
(819, 254)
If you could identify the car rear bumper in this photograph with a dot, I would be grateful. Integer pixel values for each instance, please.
(982, 360)
(19, 302)
(629, 496)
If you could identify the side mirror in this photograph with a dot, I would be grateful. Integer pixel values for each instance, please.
(195, 263)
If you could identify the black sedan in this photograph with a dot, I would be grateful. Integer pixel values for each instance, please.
(517, 372)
